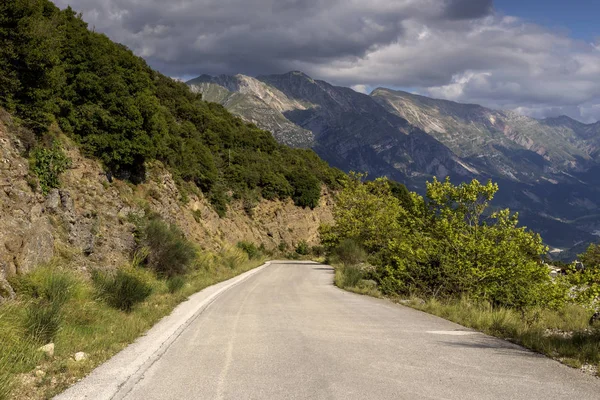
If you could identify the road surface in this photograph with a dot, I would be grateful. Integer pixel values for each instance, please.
(288, 333)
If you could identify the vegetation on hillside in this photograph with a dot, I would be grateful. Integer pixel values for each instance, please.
(56, 72)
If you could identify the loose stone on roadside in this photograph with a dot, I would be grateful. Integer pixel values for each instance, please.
(47, 349)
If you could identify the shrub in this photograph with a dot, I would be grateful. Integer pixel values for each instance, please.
(47, 283)
(169, 252)
(233, 257)
(175, 284)
(250, 249)
(43, 320)
(348, 276)
(282, 246)
(307, 188)
(318, 251)
(47, 164)
(122, 289)
(349, 252)
(302, 248)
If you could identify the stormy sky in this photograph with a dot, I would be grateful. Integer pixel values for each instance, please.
(462, 50)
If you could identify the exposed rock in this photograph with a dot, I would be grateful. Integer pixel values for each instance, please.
(53, 201)
(47, 349)
(6, 291)
(86, 222)
(38, 247)
(80, 356)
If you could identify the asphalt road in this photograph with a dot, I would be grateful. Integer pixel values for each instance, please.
(288, 333)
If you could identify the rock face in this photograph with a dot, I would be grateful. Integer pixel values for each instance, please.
(500, 143)
(257, 103)
(87, 224)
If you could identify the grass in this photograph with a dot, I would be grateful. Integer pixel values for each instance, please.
(351, 278)
(86, 324)
(564, 335)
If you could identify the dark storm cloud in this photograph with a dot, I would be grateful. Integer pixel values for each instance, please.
(456, 49)
(468, 9)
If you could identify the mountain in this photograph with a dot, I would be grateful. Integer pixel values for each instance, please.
(351, 130)
(547, 170)
(500, 143)
(257, 103)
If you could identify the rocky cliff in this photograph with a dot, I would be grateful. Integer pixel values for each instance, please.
(87, 222)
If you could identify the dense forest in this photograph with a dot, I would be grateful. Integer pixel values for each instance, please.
(55, 73)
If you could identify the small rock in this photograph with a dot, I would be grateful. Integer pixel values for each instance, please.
(53, 201)
(39, 373)
(80, 356)
(48, 349)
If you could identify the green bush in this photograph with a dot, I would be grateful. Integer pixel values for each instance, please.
(47, 283)
(302, 248)
(348, 252)
(348, 276)
(318, 251)
(47, 164)
(250, 249)
(175, 283)
(43, 321)
(448, 245)
(169, 252)
(307, 188)
(122, 289)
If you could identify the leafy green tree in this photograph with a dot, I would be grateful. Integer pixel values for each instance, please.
(53, 70)
(585, 283)
(365, 212)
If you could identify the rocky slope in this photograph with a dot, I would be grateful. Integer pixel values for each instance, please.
(351, 131)
(502, 143)
(255, 102)
(87, 221)
(547, 170)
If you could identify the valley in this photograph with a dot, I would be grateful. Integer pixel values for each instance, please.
(546, 169)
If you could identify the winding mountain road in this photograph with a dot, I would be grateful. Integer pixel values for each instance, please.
(287, 333)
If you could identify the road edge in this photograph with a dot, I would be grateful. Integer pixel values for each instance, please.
(117, 376)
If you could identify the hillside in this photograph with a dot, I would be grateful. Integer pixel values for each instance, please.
(89, 217)
(58, 75)
(546, 169)
(91, 135)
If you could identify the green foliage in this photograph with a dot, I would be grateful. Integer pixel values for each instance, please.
(302, 248)
(122, 289)
(348, 252)
(250, 249)
(348, 276)
(53, 70)
(447, 245)
(47, 164)
(169, 253)
(47, 283)
(43, 321)
(307, 188)
(318, 251)
(585, 283)
(175, 283)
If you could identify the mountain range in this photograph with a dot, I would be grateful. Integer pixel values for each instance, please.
(548, 170)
